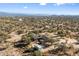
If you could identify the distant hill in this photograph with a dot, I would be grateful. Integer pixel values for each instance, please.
(20, 14)
(11, 14)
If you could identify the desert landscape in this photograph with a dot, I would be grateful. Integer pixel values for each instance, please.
(39, 35)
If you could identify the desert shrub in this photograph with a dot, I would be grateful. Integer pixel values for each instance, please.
(3, 36)
(50, 30)
(37, 53)
(19, 32)
(61, 33)
(27, 38)
(37, 31)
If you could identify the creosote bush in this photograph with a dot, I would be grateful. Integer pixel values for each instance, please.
(3, 36)
(37, 53)
(19, 32)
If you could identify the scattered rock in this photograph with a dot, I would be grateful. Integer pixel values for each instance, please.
(20, 44)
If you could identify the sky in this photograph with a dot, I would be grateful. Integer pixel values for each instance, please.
(37, 8)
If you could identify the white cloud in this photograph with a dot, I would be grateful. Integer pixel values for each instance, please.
(42, 3)
(58, 4)
(25, 7)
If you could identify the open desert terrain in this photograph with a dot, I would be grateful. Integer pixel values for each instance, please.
(39, 36)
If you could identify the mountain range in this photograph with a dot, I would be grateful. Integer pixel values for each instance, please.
(20, 14)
